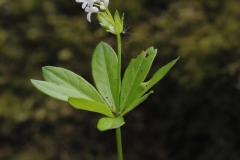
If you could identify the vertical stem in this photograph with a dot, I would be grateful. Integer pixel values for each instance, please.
(118, 130)
(119, 143)
(119, 72)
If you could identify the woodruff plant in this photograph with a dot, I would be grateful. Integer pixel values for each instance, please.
(112, 96)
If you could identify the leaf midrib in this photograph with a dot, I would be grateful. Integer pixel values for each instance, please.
(109, 87)
(72, 86)
(131, 83)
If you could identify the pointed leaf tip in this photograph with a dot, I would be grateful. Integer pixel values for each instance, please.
(55, 90)
(160, 74)
(71, 81)
(134, 76)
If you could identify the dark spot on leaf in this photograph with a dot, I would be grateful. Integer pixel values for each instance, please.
(106, 97)
(141, 71)
(146, 85)
(146, 55)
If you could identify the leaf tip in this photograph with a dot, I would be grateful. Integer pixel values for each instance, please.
(44, 68)
(33, 81)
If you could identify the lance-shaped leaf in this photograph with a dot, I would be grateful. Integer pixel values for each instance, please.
(89, 105)
(134, 76)
(107, 123)
(62, 83)
(144, 87)
(55, 90)
(104, 70)
(135, 103)
(158, 76)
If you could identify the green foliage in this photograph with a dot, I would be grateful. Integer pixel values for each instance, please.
(88, 105)
(67, 86)
(61, 84)
(139, 88)
(135, 103)
(134, 76)
(55, 90)
(107, 123)
(104, 70)
(133, 86)
(197, 105)
(159, 75)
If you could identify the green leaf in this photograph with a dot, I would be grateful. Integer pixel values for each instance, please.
(135, 103)
(104, 70)
(89, 105)
(55, 90)
(158, 75)
(134, 76)
(69, 81)
(108, 123)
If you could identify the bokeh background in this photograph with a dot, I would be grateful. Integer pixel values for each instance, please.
(194, 113)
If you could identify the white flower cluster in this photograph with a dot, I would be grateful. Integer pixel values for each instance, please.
(88, 6)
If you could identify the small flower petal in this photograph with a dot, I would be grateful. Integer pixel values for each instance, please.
(84, 5)
(106, 2)
(89, 16)
(90, 10)
(88, 6)
(80, 1)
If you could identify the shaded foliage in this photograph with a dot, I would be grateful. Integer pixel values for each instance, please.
(193, 114)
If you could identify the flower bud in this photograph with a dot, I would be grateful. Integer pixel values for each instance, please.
(115, 26)
(105, 21)
(118, 27)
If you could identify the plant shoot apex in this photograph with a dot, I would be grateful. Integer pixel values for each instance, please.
(112, 24)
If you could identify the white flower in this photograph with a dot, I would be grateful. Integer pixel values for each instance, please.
(102, 6)
(90, 10)
(86, 3)
(106, 2)
(88, 6)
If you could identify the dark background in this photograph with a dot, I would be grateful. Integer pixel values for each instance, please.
(194, 113)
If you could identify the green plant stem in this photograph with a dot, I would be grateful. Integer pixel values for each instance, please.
(118, 130)
(119, 45)
(119, 143)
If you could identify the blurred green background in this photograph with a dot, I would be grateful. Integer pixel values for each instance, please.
(194, 113)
